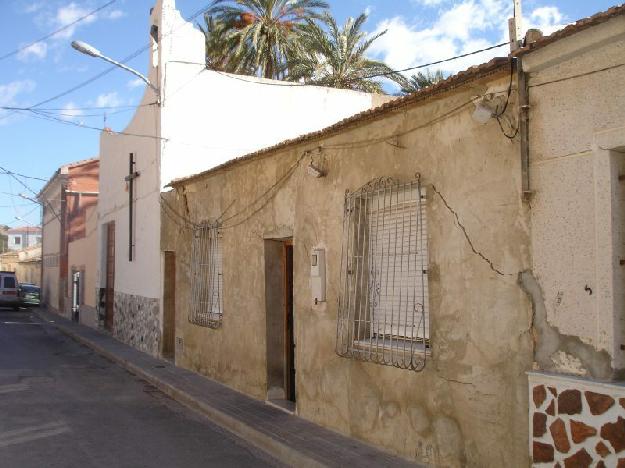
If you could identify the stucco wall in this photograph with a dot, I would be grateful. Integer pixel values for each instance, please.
(578, 204)
(468, 407)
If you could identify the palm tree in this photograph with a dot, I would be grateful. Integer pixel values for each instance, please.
(264, 30)
(421, 80)
(222, 48)
(336, 57)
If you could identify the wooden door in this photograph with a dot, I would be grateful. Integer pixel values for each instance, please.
(169, 306)
(289, 325)
(110, 275)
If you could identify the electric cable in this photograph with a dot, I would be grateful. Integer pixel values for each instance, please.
(10, 174)
(392, 72)
(111, 68)
(54, 33)
(7, 172)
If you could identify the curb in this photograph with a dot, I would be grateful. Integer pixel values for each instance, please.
(276, 449)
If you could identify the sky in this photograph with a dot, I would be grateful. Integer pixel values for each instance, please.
(417, 32)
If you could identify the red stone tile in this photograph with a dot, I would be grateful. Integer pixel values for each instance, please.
(539, 394)
(570, 402)
(602, 449)
(539, 423)
(615, 434)
(560, 437)
(598, 402)
(580, 431)
(542, 453)
(580, 459)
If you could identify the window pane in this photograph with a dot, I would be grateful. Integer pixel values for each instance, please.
(9, 282)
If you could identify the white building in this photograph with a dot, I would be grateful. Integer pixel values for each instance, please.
(23, 237)
(202, 119)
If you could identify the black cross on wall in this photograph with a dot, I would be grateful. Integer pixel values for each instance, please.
(130, 180)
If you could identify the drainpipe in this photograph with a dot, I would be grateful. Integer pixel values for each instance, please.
(524, 123)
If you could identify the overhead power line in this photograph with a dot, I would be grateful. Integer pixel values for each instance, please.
(7, 172)
(110, 69)
(10, 174)
(54, 33)
(438, 62)
(377, 75)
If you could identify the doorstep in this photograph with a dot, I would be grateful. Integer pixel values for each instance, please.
(290, 439)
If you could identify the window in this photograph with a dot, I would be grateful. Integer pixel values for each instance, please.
(206, 277)
(9, 282)
(383, 299)
(17, 240)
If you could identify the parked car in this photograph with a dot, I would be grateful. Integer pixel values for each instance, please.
(9, 290)
(30, 294)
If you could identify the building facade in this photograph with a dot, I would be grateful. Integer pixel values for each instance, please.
(69, 200)
(407, 275)
(200, 119)
(25, 263)
(21, 238)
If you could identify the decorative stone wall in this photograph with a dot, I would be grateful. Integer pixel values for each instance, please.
(136, 322)
(575, 422)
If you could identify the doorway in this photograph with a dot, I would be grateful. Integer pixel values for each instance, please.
(169, 306)
(109, 306)
(280, 334)
(76, 284)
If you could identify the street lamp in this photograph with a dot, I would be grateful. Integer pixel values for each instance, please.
(87, 49)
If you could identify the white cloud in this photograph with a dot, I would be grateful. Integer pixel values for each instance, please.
(36, 51)
(116, 14)
(547, 19)
(108, 100)
(9, 94)
(428, 3)
(67, 15)
(33, 7)
(70, 112)
(461, 28)
(136, 83)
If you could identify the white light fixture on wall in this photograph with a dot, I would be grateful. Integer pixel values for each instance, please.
(486, 107)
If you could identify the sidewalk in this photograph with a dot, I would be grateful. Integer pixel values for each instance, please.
(290, 439)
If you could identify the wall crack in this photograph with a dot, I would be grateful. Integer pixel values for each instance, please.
(466, 236)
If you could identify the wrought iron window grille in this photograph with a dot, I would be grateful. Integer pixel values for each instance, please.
(206, 308)
(383, 313)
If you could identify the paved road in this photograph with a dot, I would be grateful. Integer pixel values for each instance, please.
(62, 405)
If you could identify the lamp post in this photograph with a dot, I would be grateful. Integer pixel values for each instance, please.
(87, 49)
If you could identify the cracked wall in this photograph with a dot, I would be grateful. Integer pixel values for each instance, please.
(578, 206)
(468, 407)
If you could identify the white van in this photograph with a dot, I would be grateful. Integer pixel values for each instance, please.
(9, 290)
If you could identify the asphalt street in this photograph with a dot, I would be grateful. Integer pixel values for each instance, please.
(62, 405)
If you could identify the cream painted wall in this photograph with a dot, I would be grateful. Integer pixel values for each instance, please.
(577, 221)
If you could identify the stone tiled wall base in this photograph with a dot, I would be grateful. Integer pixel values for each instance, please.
(136, 322)
(575, 422)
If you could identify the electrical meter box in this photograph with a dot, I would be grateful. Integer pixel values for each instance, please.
(318, 275)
